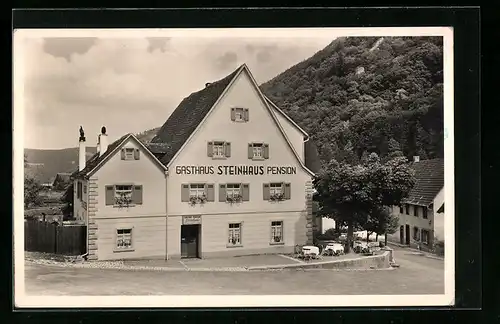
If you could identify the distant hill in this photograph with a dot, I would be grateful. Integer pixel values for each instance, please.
(45, 164)
(368, 94)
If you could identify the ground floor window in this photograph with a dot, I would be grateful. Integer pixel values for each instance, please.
(234, 234)
(123, 238)
(277, 232)
(416, 234)
(425, 236)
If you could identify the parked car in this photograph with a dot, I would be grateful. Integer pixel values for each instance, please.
(334, 249)
(361, 247)
(310, 252)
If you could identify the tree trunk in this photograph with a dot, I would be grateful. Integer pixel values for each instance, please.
(350, 234)
(385, 239)
(368, 237)
(376, 237)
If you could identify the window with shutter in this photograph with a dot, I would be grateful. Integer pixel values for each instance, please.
(137, 154)
(256, 151)
(239, 114)
(219, 150)
(247, 115)
(415, 211)
(250, 150)
(424, 212)
(129, 153)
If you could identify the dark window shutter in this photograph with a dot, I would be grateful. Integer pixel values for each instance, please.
(184, 193)
(247, 117)
(210, 192)
(123, 154)
(137, 154)
(137, 195)
(210, 149)
(266, 151)
(110, 195)
(222, 193)
(245, 192)
(250, 150)
(265, 191)
(233, 114)
(227, 147)
(288, 191)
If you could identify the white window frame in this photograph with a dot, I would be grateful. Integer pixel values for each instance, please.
(233, 189)
(129, 153)
(126, 234)
(197, 190)
(219, 146)
(277, 231)
(239, 114)
(234, 231)
(258, 151)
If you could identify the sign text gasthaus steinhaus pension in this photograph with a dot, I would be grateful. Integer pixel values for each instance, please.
(234, 169)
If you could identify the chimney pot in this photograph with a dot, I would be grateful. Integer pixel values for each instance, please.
(81, 151)
(102, 141)
(207, 84)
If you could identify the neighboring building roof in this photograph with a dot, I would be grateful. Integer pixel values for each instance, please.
(62, 176)
(188, 115)
(441, 209)
(429, 180)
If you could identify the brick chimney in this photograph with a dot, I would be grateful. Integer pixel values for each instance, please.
(81, 150)
(102, 144)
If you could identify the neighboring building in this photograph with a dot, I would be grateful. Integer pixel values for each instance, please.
(227, 174)
(421, 216)
(61, 181)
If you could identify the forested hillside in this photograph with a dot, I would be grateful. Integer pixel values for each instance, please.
(368, 94)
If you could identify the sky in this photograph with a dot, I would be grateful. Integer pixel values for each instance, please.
(133, 84)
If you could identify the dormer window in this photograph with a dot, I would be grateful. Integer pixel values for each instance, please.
(239, 114)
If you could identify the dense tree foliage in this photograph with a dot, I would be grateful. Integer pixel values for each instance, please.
(355, 195)
(368, 94)
(32, 188)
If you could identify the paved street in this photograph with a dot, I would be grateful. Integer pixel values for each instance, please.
(417, 275)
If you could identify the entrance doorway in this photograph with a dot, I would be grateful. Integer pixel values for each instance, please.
(408, 235)
(190, 241)
(402, 234)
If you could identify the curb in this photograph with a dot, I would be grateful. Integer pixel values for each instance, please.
(417, 252)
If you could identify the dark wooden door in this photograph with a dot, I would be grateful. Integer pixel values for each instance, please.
(402, 234)
(408, 235)
(189, 241)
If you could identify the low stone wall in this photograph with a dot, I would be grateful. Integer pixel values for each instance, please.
(380, 261)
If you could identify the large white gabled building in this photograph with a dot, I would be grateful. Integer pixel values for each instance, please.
(227, 174)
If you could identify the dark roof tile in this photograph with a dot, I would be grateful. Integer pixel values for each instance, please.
(429, 180)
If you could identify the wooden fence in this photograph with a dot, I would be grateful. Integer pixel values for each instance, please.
(53, 238)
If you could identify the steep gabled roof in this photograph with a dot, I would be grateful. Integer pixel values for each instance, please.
(96, 160)
(429, 180)
(188, 115)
